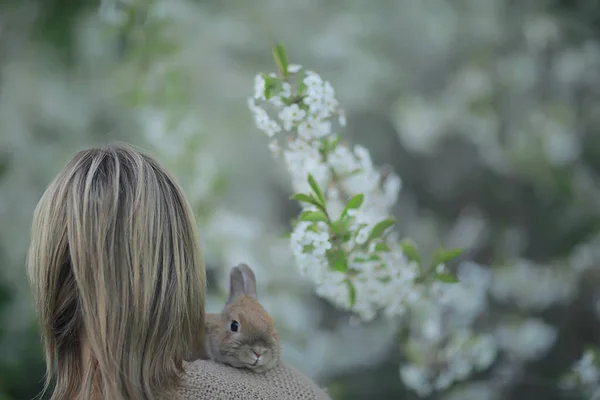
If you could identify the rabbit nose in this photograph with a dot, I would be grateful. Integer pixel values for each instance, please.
(256, 353)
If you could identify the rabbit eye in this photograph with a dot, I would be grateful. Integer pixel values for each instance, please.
(234, 326)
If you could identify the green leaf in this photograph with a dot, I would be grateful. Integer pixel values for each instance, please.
(270, 85)
(446, 278)
(313, 228)
(301, 87)
(382, 246)
(308, 248)
(442, 256)
(353, 172)
(380, 228)
(315, 187)
(280, 56)
(338, 260)
(334, 141)
(374, 257)
(329, 143)
(410, 251)
(314, 216)
(339, 227)
(351, 293)
(294, 99)
(339, 232)
(354, 203)
(306, 199)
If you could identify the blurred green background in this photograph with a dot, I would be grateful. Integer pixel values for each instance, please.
(489, 110)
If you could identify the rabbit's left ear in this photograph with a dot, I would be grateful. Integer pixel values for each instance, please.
(249, 280)
(236, 284)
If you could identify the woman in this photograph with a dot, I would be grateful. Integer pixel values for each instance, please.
(119, 283)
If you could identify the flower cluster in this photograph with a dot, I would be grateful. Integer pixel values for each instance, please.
(585, 374)
(463, 354)
(441, 347)
(451, 338)
(342, 239)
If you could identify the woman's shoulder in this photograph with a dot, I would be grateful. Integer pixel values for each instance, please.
(206, 379)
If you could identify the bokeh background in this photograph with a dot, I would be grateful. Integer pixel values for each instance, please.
(489, 110)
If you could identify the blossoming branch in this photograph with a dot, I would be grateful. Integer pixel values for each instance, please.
(343, 239)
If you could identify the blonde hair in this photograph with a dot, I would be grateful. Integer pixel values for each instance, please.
(116, 268)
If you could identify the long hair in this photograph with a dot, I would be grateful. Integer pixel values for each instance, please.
(118, 277)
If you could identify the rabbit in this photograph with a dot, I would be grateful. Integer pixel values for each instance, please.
(243, 335)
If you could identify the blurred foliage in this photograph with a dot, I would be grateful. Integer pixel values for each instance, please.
(22, 367)
(581, 16)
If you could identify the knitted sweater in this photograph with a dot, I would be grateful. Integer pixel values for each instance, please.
(207, 380)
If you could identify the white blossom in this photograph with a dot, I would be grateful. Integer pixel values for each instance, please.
(314, 129)
(294, 68)
(342, 118)
(587, 369)
(463, 354)
(416, 378)
(527, 340)
(290, 115)
(584, 374)
(303, 159)
(262, 120)
(259, 87)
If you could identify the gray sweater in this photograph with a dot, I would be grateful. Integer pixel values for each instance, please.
(207, 380)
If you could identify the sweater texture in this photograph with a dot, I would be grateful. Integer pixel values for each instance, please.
(208, 380)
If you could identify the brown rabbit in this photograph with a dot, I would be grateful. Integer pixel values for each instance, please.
(244, 334)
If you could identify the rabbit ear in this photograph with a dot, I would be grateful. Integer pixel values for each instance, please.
(249, 280)
(236, 284)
